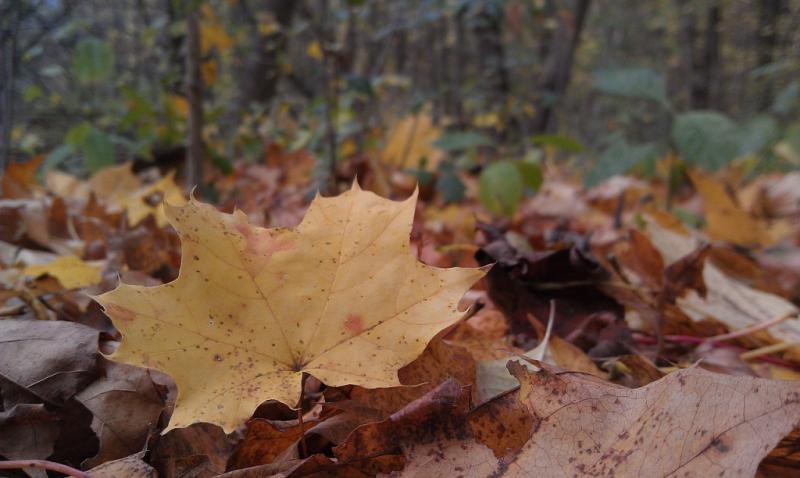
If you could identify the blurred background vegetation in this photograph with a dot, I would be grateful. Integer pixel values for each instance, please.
(497, 85)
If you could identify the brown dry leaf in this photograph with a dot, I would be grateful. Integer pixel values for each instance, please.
(201, 450)
(71, 272)
(690, 423)
(18, 179)
(264, 442)
(27, 432)
(727, 221)
(115, 182)
(633, 371)
(66, 185)
(504, 425)
(726, 300)
(414, 422)
(339, 297)
(51, 360)
(440, 360)
(129, 467)
(126, 403)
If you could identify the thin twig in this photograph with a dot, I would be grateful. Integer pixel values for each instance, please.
(303, 450)
(769, 349)
(750, 330)
(44, 465)
(581, 283)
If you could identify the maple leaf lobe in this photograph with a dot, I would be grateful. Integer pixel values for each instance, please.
(340, 296)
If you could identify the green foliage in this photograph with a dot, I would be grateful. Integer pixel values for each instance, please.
(757, 133)
(92, 144)
(92, 60)
(786, 99)
(531, 174)
(461, 140)
(706, 138)
(618, 158)
(501, 187)
(448, 185)
(558, 141)
(640, 83)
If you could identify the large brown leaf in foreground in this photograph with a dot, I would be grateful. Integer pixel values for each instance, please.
(340, 297)
(690, 423)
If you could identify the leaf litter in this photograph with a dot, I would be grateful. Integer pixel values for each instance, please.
(669, 350)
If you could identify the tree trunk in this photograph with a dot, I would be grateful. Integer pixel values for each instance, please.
(488, 29)
(8, 60)
(194, 94)
(769, 13)
(260, 71)
(711, 58)
(558, 67)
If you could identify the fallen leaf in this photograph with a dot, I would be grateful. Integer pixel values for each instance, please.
(129, 467)
(201, 450)
(50, 360)
(726, 300)
(409, 423)
(71, 272)
(27, 432)
(150, 200)
(339, 297)
(727, 221)
(690, 423)
(440, 360)
(410, 141)
(126, 404)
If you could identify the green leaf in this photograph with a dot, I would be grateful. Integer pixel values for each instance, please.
(757, 133)
(57, 156)
(31, 93)
(634, 82)
(618, 158)
(706, 138)
(530, 173)
(92, 60)
(558, 141)
(450, 187)
(76, 135)
(786, 99)
(500, 188)
(97, 150)
(459, 141)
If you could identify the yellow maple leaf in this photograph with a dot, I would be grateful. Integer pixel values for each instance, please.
(340, 297)
(410, 141)
(70, 271)
(727, 221)
(150, 200)
(314, 50)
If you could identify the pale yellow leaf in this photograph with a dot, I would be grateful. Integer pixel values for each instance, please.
(150, 200)
(409, 142)
(71, 272)
(314, 50)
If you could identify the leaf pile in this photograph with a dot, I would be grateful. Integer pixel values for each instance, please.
(283, 338)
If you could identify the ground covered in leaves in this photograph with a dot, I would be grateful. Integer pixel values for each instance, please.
(621, 330)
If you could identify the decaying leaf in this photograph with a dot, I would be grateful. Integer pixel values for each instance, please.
(725, 299)
(339, 297)
(129, 467)
(690, 423)
(126, 403)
